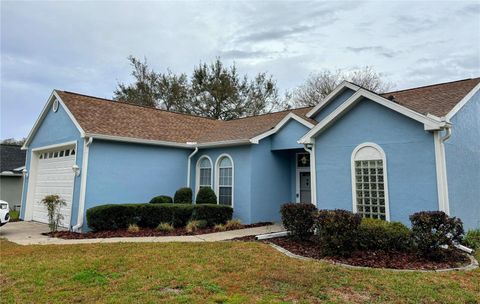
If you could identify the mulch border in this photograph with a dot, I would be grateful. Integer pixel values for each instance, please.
(473, 263)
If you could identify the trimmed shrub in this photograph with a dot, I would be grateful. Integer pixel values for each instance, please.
(182, 213)
(133, 228)
(337, 230)
(375, 234)
(161, 199)
(164, 227)
(112, 217)
(193, 226)
(233, 224)
(183, 196)
(472, 239)
(212, 213)
(206, 196)
(298, 218)
(432, 229)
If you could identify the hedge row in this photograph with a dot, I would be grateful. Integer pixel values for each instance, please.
(120, 216)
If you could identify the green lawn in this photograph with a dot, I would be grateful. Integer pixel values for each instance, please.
(224, 272)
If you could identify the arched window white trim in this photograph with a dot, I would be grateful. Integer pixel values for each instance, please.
(200, 172)
(224, 177)
(369, 181)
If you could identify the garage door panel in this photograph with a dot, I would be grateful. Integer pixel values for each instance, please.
(54, 176)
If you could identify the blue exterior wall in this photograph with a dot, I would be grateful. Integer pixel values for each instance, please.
(133, 173)
(241, 157)
(288, 135)
(333, 104)
(56, 128)
(462, 152)
(410, 158)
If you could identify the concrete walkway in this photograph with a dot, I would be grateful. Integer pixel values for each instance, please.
(30, 233)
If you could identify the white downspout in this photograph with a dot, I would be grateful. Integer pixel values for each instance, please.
(448, 129)
(313, 174)
(83, 184)
(189, 165)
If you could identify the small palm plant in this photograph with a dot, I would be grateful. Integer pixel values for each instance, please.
(53, 203)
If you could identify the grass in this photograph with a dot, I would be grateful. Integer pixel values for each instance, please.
(223, 272)
(14, 215)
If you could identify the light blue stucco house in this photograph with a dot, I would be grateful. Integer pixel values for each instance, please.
(381, 155)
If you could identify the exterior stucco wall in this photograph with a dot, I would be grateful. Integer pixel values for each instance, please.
(56, 128)
(11, 190)
(410, 159)
(333, 104)
(241, 157)
(288, 135)
(133, 173)
(462, 152)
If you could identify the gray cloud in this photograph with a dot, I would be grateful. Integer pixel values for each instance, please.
(380, 50)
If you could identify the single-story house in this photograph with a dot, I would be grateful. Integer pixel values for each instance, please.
(382, 155)
(12, 164)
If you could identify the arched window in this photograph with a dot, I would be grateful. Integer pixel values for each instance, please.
(204, 172)
(369, 182)
(225, 180)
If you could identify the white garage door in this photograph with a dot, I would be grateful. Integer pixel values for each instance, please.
(54, 175)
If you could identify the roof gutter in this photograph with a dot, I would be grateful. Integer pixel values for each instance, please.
(83, 184)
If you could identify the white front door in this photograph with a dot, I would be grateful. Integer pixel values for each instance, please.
(54, 175)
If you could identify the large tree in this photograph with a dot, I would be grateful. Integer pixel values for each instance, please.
(220, 92)
(214, 90)
(320, 84)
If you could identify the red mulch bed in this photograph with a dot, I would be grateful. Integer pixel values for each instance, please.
(142, 232)
(374, 259)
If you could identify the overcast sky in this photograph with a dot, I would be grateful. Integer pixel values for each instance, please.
(83, 46)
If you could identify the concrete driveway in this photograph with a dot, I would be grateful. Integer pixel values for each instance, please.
(30, 233)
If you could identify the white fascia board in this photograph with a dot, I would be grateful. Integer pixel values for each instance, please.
(462, 102)
(43, 114)
(224, 143)
(139, 140)
(279, 125)
(340, 88)
(430, 123)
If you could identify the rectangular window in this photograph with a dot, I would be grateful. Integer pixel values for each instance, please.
(303, 160)
(205, 177)
(225, 186)
(370, 188)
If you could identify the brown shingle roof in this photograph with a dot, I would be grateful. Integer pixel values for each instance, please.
(107, 117)
(437, 99)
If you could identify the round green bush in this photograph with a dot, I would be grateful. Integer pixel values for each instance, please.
(206, 196)
(472, 239)
(298, 218)
(376, 234)
(161, 199)
(183, 196)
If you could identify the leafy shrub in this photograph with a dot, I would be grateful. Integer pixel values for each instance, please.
(375, 234)
(337, 230)
(220, 227)
(298, 218)
(233, 224)
(161, 199)
(113, 217)
(183, 196)
(212, 213)
(432, 229)
(472, 239)
(165, 227)
(206, 196)
(194, 225)
(133, 228)
(182, 213)
(53, 204)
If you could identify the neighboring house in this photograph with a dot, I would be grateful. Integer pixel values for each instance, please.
(12, 162)
(385, 156)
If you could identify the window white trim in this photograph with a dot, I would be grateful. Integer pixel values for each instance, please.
(197, 172)
(385, 174)
(217, 177)
(430, 123)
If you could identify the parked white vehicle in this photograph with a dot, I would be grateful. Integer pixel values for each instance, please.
(4, 213)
